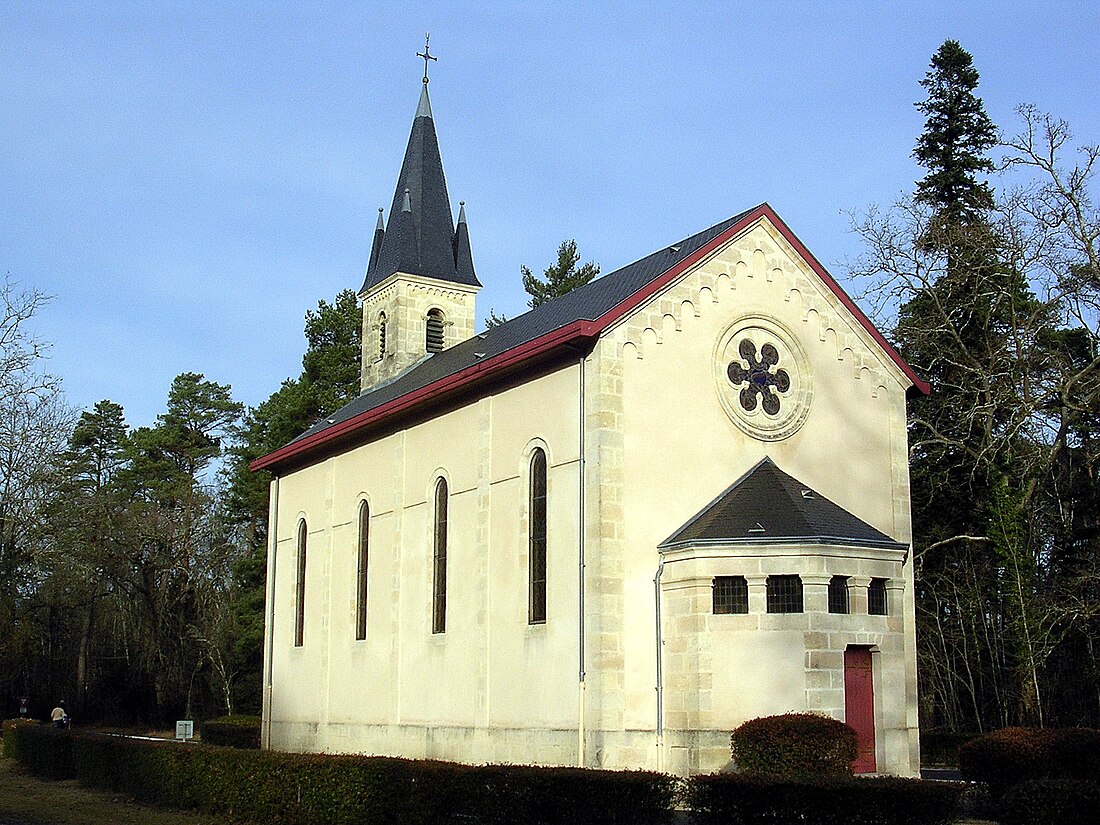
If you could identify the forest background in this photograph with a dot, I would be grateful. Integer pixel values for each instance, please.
(132, 560)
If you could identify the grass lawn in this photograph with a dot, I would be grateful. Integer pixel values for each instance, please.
(37, 802)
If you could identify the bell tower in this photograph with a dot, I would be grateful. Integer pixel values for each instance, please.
(419, 291)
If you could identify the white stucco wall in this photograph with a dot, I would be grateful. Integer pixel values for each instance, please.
(657, 446)
(681, 449)
(404, 689)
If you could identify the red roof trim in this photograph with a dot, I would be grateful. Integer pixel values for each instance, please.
(577, 331)
(923, 386)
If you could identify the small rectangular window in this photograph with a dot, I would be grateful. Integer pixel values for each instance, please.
(784, 594)
(876, 597)
(730, 594)
(838, 594)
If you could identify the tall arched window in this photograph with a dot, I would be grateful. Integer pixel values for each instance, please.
(536, 542)
(433, 331)
(381, 335)
(300, 587)
(439, 559)
(361, 576)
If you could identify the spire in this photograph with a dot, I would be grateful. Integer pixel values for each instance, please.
(424, 107)
(406, 255)
(464, 258)
(426, 242)
(376, 247)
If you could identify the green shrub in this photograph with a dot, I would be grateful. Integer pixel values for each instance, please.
(1050, 802)
(941, 748)
(232, 731)
(732, 799)
(296, 789)
(11, 745)
(794, 746)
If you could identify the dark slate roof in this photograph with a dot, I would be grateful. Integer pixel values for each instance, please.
(767, 506)
(586, 303)
(421, 238)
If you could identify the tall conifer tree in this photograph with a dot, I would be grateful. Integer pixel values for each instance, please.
(971, 329)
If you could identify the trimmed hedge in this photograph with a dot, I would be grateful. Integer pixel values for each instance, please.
(1010, 756)
(1050, 802)
(233, 731)
(11, 747)
(732, 799)
(940, 748)
(297, 789)
(794, 746)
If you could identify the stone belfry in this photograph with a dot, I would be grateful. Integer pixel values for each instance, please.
(418, 295)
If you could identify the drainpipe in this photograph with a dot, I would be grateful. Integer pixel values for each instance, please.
(660, 727)
(580, 570)
(269, 630)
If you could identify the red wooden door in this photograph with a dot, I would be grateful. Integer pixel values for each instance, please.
(859, 705)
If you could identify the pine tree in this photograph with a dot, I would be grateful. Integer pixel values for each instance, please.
(329, 379)
(973, 328)
(957, 134)
(558, 279)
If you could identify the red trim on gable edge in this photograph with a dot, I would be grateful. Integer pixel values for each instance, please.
(922, 386)
(583, 330)
(753, 215)
(577, 331)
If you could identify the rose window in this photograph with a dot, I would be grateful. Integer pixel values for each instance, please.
(762, 378)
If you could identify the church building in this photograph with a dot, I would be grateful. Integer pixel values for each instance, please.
(605, 532)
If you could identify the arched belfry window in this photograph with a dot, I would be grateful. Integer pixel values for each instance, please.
(361, 574)
(300, 587)
(439, 559)
(433, 333)
(381, 335)
(536, 542)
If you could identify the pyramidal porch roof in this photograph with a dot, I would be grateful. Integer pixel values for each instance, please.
(768, 506)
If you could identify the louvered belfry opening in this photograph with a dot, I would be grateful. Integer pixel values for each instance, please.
(433, 336)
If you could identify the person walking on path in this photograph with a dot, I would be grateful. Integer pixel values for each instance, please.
(58, 716)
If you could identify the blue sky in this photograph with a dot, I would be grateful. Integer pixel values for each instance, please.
(187, 179)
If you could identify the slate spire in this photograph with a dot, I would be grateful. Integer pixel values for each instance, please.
(420, 238)
(376, 247)
(464, 259)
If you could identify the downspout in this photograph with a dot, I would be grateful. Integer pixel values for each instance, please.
(660, 726)
(269, 630)
(580, 569)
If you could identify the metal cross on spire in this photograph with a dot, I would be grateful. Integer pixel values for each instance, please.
(427, 56)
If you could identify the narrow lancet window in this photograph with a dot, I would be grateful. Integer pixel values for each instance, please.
(536, 543)
(434, 331)
(300, 588)
(439, 559)
(361, 575)
(381, 335)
